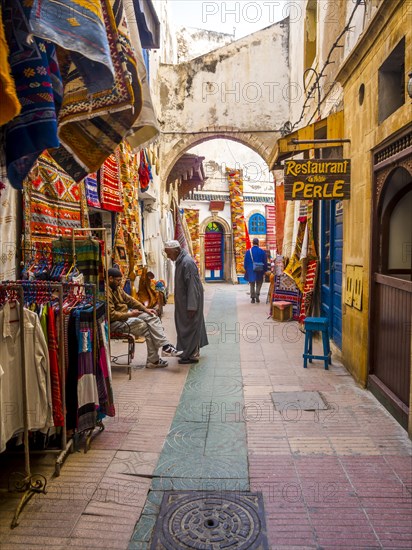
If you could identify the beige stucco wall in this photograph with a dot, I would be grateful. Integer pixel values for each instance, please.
(362, 128)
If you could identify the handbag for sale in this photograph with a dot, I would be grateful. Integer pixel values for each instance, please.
(256, 266)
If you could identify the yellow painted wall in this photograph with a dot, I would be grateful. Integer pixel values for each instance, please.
(362, 128)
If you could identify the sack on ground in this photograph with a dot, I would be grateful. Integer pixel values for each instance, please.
(258, 266)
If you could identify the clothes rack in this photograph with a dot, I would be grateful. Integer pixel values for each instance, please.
(29, 484)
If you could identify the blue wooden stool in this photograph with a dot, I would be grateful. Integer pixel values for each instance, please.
(316, 324)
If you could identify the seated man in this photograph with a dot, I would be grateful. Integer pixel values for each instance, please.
(142, 321)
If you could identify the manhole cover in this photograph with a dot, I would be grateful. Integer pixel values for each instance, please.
(210, 521)
(299, 400)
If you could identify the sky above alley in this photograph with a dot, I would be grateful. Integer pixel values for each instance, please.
(245, 16)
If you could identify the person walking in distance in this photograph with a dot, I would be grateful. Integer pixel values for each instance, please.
(189, 320)
(255, 264)
(141, 320)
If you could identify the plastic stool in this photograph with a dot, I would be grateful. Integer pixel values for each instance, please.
(316, 324)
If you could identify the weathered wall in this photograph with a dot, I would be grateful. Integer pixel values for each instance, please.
(238, 91)
(192, 43)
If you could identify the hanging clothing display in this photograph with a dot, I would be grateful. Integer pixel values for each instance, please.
(39, 400)
(238, 218)
(36, 74)
(270, 227)
(280, 213)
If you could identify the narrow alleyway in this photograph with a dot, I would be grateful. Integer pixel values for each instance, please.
(339, 477)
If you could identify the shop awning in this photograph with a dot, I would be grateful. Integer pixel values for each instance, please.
(189, 171)
(330, 127)
(148, 24)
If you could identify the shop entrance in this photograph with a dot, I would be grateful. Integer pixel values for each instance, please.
(391, 291)
(214, 256)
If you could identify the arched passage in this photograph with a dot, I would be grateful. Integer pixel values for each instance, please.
(173, 150)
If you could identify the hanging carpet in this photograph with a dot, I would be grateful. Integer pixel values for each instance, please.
(192, 220)
(77, 26)
(110, 187)
(91, 125)
(37, 77)
(238, 218)
(213, 251)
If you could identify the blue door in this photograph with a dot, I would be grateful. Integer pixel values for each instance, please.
(331, 267)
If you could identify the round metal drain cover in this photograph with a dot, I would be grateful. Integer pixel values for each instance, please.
(210, 521)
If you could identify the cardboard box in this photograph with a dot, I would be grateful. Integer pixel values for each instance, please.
(282, 311)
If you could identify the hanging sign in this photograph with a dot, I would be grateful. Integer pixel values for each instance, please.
(317, 179)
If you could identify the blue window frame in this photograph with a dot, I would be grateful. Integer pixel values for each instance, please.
(257, 224)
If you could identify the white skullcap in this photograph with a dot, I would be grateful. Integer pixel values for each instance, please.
(172, 244)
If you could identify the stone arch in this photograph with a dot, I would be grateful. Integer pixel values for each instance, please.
(177, 149)
(229, 274)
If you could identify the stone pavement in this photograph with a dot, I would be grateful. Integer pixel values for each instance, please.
(339, 477)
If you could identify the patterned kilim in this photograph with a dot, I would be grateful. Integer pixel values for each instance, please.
(120, 257)
(129, 219)
(77, 26)
(192, 219)
(92, 192)
(111, 197)
(238, 218)
(294, 266)
(39, 89)
(10, 104)
(308, 290)
(52, 203)
(180, 233)
(91, 125)
(287, 291)
(280, 213)
(213, 250)
(270, 227)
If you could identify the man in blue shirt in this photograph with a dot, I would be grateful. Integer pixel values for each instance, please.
(253, 256)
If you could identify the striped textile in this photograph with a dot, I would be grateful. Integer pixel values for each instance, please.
(192, 219)
(270, 227)
(111, 196)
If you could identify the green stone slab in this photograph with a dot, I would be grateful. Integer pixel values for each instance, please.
(168, 484)
(144, 528)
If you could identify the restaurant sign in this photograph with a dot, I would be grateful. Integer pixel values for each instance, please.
(317, 179)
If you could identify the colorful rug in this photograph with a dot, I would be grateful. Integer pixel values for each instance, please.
(10, 104)
(192, 219)
(146, 127)
(52, 202)
(180, 233)
(287, 291)
(37, 77)
(308, 290)
(270, 227)
(91, 125)
(111, 197)
(238, 218)
(130, 218)
(294, 265)
(280, 214)
(213, 251)
(92, 191)
(77, 26)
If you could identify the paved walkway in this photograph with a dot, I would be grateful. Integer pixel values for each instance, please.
(334, 478)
